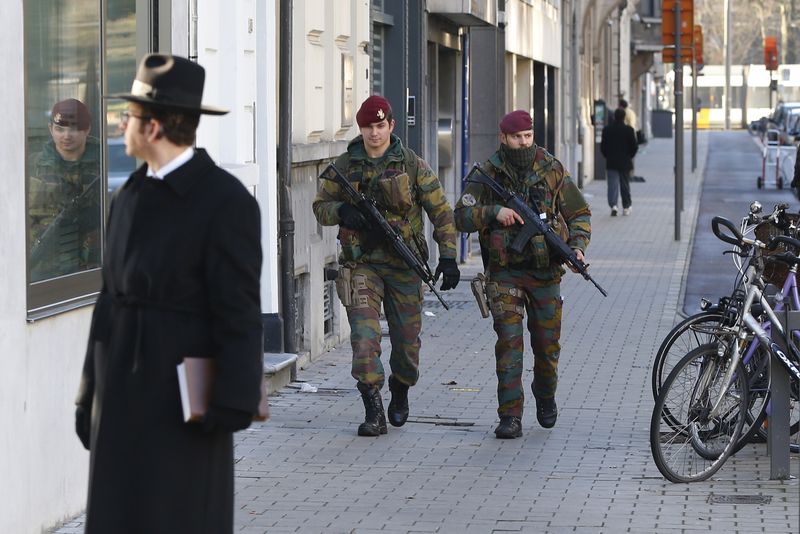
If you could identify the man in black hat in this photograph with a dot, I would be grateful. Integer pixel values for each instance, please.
(64, 196)
(180, 279)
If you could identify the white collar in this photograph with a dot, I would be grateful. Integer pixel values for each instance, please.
(172, 165)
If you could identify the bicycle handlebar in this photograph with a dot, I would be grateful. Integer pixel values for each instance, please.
(735, 239)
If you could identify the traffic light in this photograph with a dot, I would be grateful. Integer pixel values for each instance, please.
(771, 53)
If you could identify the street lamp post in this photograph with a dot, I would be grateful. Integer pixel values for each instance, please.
(678, 123)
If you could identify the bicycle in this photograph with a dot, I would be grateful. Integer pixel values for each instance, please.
(704, 400)
(691, 332)
(699, 329)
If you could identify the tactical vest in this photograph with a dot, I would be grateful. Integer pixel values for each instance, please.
(395, 204)
(497, 239)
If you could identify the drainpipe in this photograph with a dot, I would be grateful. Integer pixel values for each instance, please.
(577, 126)
(465, 90)
(286, 222)
(193, 30)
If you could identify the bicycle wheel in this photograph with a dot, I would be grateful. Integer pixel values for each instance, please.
(757, 369)
(701, 444)
(683, 338)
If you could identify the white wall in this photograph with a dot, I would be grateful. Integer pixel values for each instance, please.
(236, 45)
(43, 467)
(533, 30)
(324, 32)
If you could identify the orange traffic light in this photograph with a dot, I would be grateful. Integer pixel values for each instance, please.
(771, 53)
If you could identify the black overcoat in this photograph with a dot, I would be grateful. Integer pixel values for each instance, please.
(180, 278)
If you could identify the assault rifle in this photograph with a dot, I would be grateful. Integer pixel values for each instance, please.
(44, 243)
(534, 225)
(368, 207)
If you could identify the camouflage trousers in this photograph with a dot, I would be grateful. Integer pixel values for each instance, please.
(513, 294)
(399, 289)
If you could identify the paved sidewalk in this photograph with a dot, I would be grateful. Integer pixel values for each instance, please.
(444, 471)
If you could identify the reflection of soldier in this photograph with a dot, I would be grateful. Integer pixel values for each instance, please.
(371, 272)
(64, 196)
(527, 282)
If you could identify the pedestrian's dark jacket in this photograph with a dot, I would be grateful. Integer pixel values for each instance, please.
(548, 187)
(180, 278)
(619, 146)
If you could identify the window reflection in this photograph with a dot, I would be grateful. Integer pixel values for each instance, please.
(63, 106)
(70, 131)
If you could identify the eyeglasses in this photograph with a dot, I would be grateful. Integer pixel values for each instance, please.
(125, 116)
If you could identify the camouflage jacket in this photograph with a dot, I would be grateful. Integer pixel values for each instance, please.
(549, 189)
(64, 202)
(401, 195)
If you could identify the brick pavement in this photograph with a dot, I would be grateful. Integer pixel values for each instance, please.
(444, 471)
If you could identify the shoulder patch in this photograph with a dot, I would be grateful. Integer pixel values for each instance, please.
(468, 200)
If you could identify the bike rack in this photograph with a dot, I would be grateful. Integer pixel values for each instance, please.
(778, 430)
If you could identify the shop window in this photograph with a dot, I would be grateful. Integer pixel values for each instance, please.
(70, 49)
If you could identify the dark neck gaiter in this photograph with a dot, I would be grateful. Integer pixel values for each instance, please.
(520, 159)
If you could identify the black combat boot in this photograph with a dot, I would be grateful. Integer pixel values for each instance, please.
(375, 420)
(398, 406)
(510, 427)
(546, 412)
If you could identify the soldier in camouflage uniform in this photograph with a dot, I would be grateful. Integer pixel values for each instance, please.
(371, 272)
(64, 196)
(527, 282)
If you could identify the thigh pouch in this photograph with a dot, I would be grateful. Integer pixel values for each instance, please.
(496, 294)
(357, 290)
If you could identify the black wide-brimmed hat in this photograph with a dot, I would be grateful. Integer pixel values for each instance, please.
(170, 82)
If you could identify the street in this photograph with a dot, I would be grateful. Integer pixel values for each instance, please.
(307, 471)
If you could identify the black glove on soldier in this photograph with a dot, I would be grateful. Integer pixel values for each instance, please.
(83, 425)
(226, 419)
(352, 218)
(450, 274)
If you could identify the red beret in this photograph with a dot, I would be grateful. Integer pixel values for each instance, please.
(71, 112)
(374, 109)
(516, 121)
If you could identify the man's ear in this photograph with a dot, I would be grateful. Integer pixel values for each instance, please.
(158, 130)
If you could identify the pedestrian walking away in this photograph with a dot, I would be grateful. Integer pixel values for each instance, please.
(619, 146)
(630, 120)
(181, 274)
(371, 273)
(528, 282)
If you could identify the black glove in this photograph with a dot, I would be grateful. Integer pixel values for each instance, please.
(450, 274)
(83, 425)
(352, 218)
(226, 419)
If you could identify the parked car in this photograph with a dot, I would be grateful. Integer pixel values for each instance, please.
(790, 131)
(120, 165)
(783, 119)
